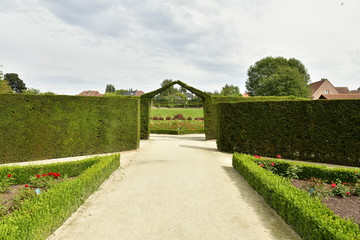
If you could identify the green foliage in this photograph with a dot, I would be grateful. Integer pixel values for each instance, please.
(230, 90)
(215, 99)
(120, 91)
(31, 91)
(186, 112)
(285, 82)
(278, 76)
(176, 131)
(16, 84)
(5, 87)
(36, 127)
(171, 90)
(110, 88)
(39, 216)
(321, 131)
(308, 216)
(5, 182)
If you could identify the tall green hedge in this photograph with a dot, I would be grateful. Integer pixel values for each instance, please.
(212, 109)
(40, 127)
(320, 131)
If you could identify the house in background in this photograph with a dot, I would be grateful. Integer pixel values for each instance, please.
(323, 89)
(133, 93)
(90, 93)
(340, 96)
(323, 86)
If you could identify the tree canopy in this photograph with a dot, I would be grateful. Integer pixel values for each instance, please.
(16, 84)
(278, 77)
(170, 91)
(110, 88)
(229, 90)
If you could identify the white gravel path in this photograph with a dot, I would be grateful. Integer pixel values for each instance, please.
(175, 187)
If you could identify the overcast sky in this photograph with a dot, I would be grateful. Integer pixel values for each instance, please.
(68, 46)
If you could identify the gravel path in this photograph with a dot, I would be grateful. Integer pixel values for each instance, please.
(175, 187)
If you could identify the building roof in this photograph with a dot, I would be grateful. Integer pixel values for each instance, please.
(342, 90)
(355, 91)
(315, 85)
(340, 96)
(90, 93)
(134, 93)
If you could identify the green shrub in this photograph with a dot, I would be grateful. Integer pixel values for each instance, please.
(39, 127)
(323, 131)
(40, 216)
(177, 132)
(308, 216)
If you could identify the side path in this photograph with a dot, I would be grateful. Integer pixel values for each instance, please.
(175, 187)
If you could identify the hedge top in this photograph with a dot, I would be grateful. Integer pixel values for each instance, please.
(195, 91)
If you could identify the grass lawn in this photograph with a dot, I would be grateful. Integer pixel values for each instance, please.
(171, 112)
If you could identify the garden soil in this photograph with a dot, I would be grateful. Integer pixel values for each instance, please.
(175, 187)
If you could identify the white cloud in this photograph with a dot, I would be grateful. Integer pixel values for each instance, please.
(70, 46)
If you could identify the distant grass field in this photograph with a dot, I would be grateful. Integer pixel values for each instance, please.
(171, 112)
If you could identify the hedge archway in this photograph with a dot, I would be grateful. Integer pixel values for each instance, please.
(145, 104)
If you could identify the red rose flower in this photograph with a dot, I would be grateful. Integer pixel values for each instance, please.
(347, 193)
(9, 175)
(44, 175)
(278, 156)
(333, 185)
(261, 165)
(37, 175)
(272, 164)
(26, 185)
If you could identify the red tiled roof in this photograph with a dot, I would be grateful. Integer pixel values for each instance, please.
(340, 96)
(139, 93)
(315, 85)
(355, 91)
(342, 90)
(90, 93)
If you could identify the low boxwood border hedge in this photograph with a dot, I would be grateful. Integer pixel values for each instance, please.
(40, 216)
(176, 131)
(308, 216)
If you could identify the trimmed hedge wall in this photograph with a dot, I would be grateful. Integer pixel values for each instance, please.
(322, 131)
(176, 132)
(40, 127)
(212, 108)
(308, 216)
(40, 216)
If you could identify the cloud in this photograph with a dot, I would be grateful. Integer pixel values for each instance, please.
(137, 44)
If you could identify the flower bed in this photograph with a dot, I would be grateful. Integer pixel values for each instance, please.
(308, 216)
(176, 125)
(39, 216)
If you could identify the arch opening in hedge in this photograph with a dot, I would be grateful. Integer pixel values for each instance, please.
(145, 105)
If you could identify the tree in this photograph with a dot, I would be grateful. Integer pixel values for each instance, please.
(31, 91)
(170, 91)
(109, 88)
(120, 91)
(261, 75)
(229, 90)
(358, 88)
(287, 81)
(5, 87)
(16, 84)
